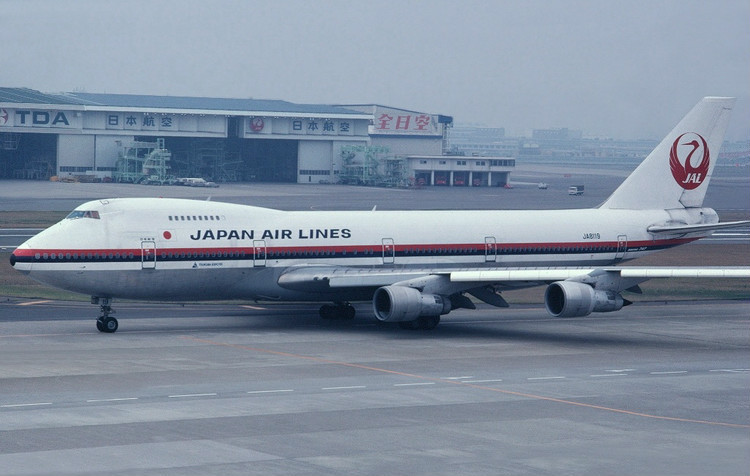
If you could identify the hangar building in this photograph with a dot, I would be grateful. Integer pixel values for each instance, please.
(120, 137)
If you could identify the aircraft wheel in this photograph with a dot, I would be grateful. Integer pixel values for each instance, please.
(349, 312)
(409, 325)
(100, 325)
(327, 311)
(109, 325)
(429, 322)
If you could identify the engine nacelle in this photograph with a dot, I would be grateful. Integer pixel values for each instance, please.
(402, 303)
(574, 299)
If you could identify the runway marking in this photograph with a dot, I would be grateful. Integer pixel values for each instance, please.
(458, 378)
(190, 395)
(466, 384)
(413, 384)
(344, 388)
(255, 308)
(270, 391)
(545, 378)
(484, 381)
(730, 370)
(17, 405)
(607, 375)
(31, 303)
(111, 400)
(669, 372)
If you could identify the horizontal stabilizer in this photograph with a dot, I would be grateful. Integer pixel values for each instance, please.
(683, 229)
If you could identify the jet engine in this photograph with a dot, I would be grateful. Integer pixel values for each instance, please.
(574, 299)
(402, 303)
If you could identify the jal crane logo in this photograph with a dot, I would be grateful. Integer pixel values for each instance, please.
(685, 174)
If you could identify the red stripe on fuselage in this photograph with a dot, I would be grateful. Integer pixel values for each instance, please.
(571, 247)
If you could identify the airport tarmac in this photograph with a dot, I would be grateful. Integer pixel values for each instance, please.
(273, 389)
(729, 191)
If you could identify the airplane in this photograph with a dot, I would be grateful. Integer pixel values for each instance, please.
(415, 266)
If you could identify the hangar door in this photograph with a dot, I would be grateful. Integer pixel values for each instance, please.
(315, 161)
(28, 156)
(268, 160)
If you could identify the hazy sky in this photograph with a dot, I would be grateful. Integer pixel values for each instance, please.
(621, 69)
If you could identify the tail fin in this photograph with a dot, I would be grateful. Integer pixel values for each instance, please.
(676, 173)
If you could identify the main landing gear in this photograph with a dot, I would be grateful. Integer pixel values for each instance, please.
(105, 322)
(425, 323)
(343, 311)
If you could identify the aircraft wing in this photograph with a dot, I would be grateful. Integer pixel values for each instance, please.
(561, 274)
(327, 278)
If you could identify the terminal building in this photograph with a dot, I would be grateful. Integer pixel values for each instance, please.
(132, 138)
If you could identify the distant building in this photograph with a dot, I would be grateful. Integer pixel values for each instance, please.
(460, 171)
(153, 139)
(76, 134)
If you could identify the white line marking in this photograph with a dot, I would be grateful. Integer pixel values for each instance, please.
(606, 375)
(545, 378)
(669, 372)
(193, 395)
(269, 391)
(31, 303)
(256, 308)
(344, 388)
(730, 370)
(16, 405)
(457, 378)
(621, 370)
(111, 400)
(484, 381)
(412, 384)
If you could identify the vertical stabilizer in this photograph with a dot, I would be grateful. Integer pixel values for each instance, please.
(676, 173)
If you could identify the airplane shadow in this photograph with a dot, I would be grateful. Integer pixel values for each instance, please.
(568, 332)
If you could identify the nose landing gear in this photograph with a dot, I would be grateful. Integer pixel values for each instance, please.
(105, 322)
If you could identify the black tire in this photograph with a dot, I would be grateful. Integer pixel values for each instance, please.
(326, 311)
(349, 312)
(110, 325)
(429, 322)
(409, 325)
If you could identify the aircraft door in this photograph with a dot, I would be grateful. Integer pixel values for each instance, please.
(490, 249)
(389, 251)
(148, 254)
(259, 253)
(622, 246)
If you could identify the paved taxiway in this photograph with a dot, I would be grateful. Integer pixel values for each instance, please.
(273, 389)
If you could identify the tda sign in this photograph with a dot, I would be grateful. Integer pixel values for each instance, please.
(32, 118)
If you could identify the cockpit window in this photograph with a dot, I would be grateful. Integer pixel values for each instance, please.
(83, 214)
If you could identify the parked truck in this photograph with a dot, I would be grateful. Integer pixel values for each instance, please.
(575, 190)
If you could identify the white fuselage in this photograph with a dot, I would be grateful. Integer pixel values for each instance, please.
(173, 249)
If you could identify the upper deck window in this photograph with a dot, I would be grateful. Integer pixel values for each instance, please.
(83, 214)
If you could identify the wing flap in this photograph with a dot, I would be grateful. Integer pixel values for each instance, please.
(561, 274)
(519, 274)
(685, 272)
